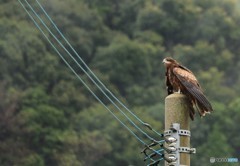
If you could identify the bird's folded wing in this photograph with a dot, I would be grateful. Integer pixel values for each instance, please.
(189, 81)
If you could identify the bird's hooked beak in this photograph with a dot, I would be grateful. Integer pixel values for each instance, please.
(164, 60)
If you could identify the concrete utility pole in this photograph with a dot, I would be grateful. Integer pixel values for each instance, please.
(177, 112)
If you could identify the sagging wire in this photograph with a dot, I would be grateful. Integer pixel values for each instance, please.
(48, 29)
(95, 77)
(37, 25)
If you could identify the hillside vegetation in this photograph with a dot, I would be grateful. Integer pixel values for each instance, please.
(48, 117)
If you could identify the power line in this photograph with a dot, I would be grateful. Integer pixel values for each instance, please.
(85, 65)
(86, 71)
(77, 74)
(62, 57)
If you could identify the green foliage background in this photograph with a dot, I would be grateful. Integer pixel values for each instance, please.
(47, 117)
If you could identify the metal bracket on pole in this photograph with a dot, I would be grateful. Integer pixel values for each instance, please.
(180, 132)
(172, 146)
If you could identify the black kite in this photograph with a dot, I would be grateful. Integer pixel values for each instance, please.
(180, 79)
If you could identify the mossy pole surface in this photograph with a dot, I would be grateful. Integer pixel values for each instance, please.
(177, 111)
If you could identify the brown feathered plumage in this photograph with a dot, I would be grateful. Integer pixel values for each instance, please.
(180, 79)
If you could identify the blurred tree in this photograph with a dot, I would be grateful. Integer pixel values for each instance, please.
(44, 125)
(231, 127)
(128, 64)
(200, 56)
(215, 145)
(47, 117)
(82, 26)
(118, 15)
(214, 85)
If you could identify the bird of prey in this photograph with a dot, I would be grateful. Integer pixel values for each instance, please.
(181, 80)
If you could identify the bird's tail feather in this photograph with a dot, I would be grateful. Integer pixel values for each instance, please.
(202, 109)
